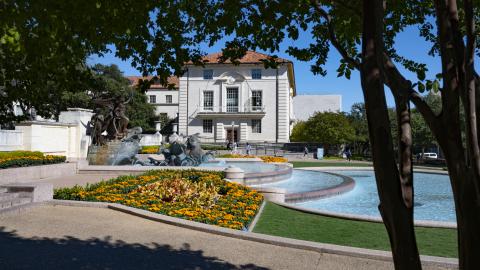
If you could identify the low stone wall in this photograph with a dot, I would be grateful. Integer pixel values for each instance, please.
(32, 173)
(347, 185)
(269, 177)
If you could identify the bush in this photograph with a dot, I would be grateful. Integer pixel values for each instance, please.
(201, 196)
(26, 158)
(212, 147)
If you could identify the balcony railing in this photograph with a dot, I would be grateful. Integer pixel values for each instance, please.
(231, 109)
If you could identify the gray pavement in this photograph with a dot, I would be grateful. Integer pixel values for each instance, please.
(63, 237)
(77, 179)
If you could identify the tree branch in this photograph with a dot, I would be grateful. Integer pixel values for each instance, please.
(401, 87)
(333, 37)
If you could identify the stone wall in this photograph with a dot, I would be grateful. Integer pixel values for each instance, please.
(66, 137)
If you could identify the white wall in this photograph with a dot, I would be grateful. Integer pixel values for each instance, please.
(304, 106)
(65, 138)
(161, 105)
(11, 140)
(191, 90)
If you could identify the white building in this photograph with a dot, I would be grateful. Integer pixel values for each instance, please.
(304, 106)
(164, 99)
(243, 102)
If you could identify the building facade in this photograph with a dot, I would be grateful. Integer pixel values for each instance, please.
(165, 100)
(245, 102)
(304, 106)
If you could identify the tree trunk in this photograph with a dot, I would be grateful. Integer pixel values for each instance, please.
(397, 217)
(467, 206)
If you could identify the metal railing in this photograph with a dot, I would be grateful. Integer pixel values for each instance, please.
(230, 109)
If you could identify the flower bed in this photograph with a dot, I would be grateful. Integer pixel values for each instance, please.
(267, 159)
(150, 149)
(201, 196)
(27, 158)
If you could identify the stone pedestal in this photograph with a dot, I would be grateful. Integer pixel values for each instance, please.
(103, 154)
(235, 174)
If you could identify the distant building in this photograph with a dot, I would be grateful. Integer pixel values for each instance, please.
(226, 102)
(304, 106)
(165, 100)
(244, 102)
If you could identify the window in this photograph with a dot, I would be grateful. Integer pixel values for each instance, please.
(208, 100)
(208, 74)
(232, 99)
(256, 74)
(256, 126)
(207, 126)
(257, 101)
(168, 99)
(153, 99)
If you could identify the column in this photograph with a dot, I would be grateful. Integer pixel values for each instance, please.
(243, 132)
(219, 133)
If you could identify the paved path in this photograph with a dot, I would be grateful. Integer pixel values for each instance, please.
(63, 237)
(76, 179)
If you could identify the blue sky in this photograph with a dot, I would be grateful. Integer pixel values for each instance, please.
(408, 44)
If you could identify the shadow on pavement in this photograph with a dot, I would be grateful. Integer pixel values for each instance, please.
(72, 253)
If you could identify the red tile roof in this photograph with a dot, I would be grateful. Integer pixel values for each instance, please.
(250, 57)
(171, 80)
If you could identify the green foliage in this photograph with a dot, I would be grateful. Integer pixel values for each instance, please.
(213, 147)
(141, 113)
(324, 127)
(299, 132)
(358, 120)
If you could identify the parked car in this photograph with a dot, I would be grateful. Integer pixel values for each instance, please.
(429, 156)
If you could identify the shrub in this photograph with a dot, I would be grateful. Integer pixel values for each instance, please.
(201, 196)
(27, 158)
(212, 147)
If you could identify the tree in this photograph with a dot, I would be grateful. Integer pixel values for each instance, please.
(371, 26)
(164, 34)
(43, 46)
(299, 132)
(358, 120)
(328, 128)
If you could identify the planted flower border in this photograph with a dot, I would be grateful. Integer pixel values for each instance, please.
(202, 196)
(27, 158)
(267, 159)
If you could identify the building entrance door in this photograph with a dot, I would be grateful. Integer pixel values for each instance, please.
(232, 135)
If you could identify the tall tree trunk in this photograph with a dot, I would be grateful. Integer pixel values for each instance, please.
(397, 217)
(467, 203)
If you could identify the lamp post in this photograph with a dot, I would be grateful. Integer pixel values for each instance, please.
(233, 133)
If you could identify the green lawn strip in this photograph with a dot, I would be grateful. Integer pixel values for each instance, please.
(300, 164)
(280, 221)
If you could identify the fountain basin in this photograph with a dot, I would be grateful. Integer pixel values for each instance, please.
(255, 171)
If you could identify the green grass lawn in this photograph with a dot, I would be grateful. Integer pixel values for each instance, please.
(281, 221)
(300, 164)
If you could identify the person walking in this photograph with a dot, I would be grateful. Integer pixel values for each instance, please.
(235, 148)
(348, 154)
(248, 148)
(305, 151)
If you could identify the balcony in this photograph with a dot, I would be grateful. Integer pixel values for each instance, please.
(230, 111)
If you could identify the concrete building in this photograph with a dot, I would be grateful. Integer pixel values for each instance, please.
(304, 106)
(244, 102)
(164, 99)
